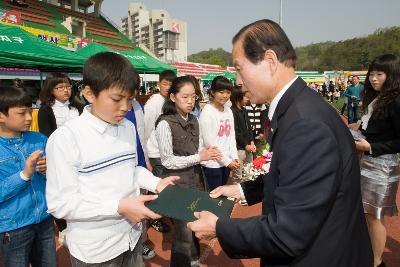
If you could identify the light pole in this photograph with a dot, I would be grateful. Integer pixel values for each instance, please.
(280, 13)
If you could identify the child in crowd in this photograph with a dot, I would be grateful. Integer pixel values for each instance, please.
(152, 110)
(181, 150)
(26, 230)
(199, 97)
(58, 103)
(93, 180)
(58, 106)
(243, 133)
(136, 116)
(217, 130)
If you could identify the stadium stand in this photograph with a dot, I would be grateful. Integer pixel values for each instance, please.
(196, 69)
(48, 17)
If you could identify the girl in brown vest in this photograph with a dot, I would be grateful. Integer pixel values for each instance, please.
(181, 151)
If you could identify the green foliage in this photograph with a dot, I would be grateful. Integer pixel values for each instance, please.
(213, 56)
(352, 54)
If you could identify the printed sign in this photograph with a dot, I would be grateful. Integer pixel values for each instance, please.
(12, 17)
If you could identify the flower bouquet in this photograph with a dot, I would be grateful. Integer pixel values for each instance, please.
(260, 165)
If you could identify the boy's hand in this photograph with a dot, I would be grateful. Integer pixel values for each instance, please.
(41, 165)
(29, 168)
(134, 210)
(163, 183)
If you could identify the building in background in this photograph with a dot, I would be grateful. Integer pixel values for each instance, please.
(164, 36)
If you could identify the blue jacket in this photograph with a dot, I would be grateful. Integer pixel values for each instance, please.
(22, 202)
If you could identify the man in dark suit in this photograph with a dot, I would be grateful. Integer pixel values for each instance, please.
(312, 213)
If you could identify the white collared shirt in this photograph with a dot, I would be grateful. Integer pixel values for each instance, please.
(63, 113)
(91, 165)
(271, 111)
(275, 101)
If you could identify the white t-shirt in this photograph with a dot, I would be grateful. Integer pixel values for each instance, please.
(217, 129)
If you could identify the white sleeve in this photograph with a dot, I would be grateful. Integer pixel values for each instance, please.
(232, 140)
(146, 179)
(151, 114)
(63, 195)
(168, 159)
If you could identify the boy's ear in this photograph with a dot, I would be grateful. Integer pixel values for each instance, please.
(2, 117)
(172, 97)
(88, 94)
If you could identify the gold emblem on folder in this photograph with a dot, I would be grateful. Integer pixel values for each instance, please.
(193, 205)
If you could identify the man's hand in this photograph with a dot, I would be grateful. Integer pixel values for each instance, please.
(205, 226)
(163, 183)
(41, 165)
(134, 210)
(29, 168)
(227, 191)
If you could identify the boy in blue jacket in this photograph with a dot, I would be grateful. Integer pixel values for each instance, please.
(26, 229)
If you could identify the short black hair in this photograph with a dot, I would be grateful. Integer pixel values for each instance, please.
(262, 35)
(107, 69)
(11, 97)
(168, 75)
(220, 83)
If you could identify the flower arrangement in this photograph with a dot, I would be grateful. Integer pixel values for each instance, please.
(260, 165)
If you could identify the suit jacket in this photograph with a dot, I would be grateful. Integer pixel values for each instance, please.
(312, 214)
(384, 133)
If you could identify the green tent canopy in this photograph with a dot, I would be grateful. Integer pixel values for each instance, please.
(143, 62)
(227, 74)
(20, 49)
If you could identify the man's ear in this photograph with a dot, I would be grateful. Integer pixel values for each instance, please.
(272, 59)
(88, 94)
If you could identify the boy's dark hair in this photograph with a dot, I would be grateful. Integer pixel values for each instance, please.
(52, 80)
(107, 69)
(11, 97)
(262, 35)
(169, 106)
(237, 95)
(168, 75)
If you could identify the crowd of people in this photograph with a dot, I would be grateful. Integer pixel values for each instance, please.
(92, 168)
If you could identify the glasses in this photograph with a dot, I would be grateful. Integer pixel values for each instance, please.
(63, 87)
(187, 98)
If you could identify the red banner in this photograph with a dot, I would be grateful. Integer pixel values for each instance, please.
(13, 17)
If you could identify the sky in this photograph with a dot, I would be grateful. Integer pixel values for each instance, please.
(212, 24)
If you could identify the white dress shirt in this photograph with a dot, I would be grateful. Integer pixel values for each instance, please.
(271, 111)
(63, 113)
(91, 165)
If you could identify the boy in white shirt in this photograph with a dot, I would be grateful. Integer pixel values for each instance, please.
(152, 110)
(93, 179)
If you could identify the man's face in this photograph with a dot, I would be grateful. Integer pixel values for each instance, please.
(256, 79)
(355, 80)
(18, 120)
(164, 87)
(111, 104)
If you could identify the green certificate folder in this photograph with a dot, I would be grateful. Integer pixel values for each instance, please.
(179, 203)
